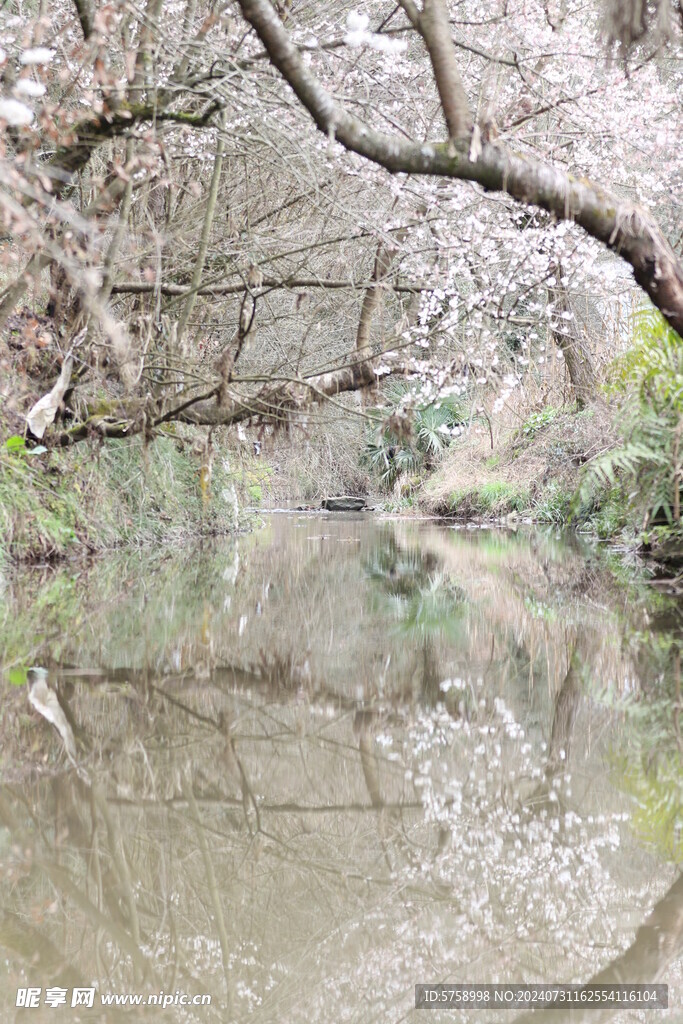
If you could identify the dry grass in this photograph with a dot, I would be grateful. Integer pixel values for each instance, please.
(304, 464)
(542, 455)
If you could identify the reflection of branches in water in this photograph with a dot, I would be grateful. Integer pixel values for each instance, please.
(564, 718)
(43, 860)
(111, 875)
(285, 808)
(236, 768)
(291, 873)
(212, 884)
(362, 727)
(32, 947)
(403, 846)
(658, 942)
(545, 797)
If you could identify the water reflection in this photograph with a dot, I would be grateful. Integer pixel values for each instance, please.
(310, 769)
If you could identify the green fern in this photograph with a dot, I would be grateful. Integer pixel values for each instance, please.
(653, 366)
(647, 465)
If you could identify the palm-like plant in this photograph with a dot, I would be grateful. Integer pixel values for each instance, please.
(409, 436)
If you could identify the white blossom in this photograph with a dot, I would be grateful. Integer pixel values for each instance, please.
(27, 87)
(37, 55)
(15, 113)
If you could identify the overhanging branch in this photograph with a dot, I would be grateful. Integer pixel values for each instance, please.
(275, 402)
(626, 228)
(268, 284)
(92, 132)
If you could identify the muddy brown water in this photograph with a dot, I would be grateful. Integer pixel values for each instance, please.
(330, 760)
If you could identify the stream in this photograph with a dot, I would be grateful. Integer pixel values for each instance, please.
(301, 771)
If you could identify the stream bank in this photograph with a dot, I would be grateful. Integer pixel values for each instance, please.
(89, 498)
(544, 472)
(93, 497)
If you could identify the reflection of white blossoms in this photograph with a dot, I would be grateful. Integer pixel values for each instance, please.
(511, 833)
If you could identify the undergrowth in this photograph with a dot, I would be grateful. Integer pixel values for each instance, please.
(58, 502)
(496, 498)
(642, 475)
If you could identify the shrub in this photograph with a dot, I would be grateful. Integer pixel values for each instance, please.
(648, 465)
(407, 441)
(554, 505)
(537, 420)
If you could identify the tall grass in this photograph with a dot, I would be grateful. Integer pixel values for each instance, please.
(59, 502)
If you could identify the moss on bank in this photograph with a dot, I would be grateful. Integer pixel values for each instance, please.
(60, 502)
(542, 474)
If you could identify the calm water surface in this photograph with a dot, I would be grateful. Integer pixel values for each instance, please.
(304, 771)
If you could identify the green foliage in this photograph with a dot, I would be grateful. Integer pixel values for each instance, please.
(496, 498)
(611, 514)
(502, 496)
(647, 466)
(177, 591)
(251, 477)
(656, 787)
(553, 506)
(126, 492)
(38, 509)
(17, 676)
(393, 504)
(15, 444)
(648, 764)
(537, 420)
(653, 366)
(407, 444)
(160, 491)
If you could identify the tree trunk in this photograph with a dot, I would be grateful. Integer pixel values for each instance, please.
(372, 300)
(567, 336)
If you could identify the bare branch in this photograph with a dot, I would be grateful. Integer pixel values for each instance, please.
(268, 284)
(275, 402)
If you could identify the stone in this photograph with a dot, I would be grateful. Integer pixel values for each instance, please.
(343, 504)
